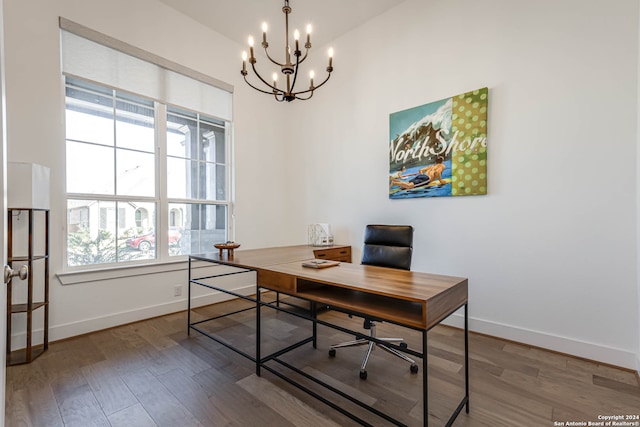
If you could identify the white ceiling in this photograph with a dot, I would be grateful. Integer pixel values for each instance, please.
(237, 19)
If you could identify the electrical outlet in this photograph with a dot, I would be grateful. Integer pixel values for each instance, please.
(177, 290)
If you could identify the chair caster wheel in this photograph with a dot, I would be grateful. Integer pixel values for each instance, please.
(414, 369)
(403, 344)
(363, 375)
(332, 352)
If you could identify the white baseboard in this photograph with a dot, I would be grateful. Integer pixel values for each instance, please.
(59, 332)
(612, 356)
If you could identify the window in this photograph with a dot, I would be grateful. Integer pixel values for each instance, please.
(114, 170)
(196, 171)
(148, 169)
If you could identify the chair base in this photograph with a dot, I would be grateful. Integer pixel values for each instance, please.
(371, 345)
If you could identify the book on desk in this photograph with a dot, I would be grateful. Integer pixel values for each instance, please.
(320, 263)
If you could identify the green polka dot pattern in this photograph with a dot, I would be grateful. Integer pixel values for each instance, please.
(469, 130)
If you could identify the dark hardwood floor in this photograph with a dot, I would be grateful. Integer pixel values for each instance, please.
(151, 373)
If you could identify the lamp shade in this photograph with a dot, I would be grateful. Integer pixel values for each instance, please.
(27, 186)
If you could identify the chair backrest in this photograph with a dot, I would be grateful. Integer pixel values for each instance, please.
(388, 246)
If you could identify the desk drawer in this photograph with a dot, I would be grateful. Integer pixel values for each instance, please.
(276, 281)
(342, 254)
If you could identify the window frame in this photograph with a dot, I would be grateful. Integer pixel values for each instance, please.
(161, 199)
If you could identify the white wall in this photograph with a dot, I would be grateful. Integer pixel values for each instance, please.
(551, 251)
(35, 114)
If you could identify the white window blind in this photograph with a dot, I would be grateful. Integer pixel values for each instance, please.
(96, 61)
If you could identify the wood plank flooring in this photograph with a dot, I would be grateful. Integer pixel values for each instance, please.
(151, 373)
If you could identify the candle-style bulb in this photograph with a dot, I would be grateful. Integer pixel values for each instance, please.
(251, 47)
(308, 44)
(311, 76)
(244, 55)
(330, 57)
(296, 35)
(264, 33)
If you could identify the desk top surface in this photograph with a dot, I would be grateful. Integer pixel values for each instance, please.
(438, 295)
(401, 284)
(265, 257)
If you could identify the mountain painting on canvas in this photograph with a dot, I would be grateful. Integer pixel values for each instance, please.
(440, 148)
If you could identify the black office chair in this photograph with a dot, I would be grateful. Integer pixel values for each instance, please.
(384, 246)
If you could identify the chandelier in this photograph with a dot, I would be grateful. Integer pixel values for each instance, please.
(289, 68)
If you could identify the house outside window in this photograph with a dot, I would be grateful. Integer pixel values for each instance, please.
(142, 218)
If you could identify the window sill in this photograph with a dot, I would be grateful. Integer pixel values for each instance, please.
(109, 273)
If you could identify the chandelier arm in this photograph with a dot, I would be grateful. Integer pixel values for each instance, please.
(266, 52)
(275, 95)
(304, 99)
(314, 88)
(306, 53)
(253, 66)
(256, 88)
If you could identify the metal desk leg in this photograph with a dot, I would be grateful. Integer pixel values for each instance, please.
(466, 354)
(314, 316)
(189, 301)
(258, 335)
(425, 381)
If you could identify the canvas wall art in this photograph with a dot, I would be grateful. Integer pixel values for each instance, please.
(440, 148)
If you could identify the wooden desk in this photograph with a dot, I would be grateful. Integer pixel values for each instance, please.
(265, 258)
(414, 300)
